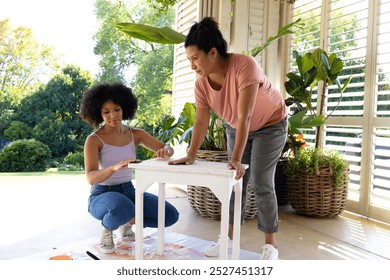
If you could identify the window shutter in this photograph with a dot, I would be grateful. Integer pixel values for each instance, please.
(256, 25)
(382, 81)
(184, 77)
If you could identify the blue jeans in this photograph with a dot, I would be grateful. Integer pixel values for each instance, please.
(262, 153)
(115, 206)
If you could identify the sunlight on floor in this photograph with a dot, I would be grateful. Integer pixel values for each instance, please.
(343, 252)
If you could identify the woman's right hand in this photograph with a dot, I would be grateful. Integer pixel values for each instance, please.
(184, 160)
(236, 164)
(122, 164)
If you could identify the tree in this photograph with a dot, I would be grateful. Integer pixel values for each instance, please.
(18, 130)
(154, 91)
(52, 111)
(23, 63)
(161, 6)
(120, 55)
(115, 50)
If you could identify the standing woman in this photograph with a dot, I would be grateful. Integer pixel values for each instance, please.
(107, 152)
(235, 87)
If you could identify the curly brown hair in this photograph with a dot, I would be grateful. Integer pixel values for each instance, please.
(94, 98)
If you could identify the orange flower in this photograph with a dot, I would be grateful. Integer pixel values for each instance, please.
(303, 143)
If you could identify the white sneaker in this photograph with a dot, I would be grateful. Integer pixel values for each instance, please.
(127, 233)
(107, 245)
(269, 252)
(213, 251)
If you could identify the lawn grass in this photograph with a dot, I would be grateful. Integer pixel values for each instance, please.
(39, 178)
(46, 173)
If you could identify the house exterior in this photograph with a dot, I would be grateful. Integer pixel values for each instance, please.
(359, 29)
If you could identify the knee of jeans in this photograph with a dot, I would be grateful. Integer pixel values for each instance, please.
(128, 212)
(117, 217)
(171, 216)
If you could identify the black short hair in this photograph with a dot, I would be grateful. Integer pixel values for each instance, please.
(206, 35)
(94, 98)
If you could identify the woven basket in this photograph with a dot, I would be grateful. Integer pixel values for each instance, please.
(203, 200)
(315, 195)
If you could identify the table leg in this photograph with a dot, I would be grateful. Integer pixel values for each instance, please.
(223, 249)
(161, 219)
(142, 183)
(237, 220)
(139, 213)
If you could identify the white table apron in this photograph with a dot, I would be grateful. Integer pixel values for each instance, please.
(214, 175)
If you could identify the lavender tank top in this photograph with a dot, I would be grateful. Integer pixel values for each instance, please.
(110, 155)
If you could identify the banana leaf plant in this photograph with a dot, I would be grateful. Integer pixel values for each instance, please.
(317, 70)
(163, 35)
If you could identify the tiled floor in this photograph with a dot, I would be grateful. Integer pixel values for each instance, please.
(299, 237)
(52, 213)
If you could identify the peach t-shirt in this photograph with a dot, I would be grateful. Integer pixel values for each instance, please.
(242, 72)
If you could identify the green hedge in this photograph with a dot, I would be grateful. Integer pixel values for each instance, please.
(25, 156)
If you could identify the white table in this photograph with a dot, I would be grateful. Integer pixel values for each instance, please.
(214, 175)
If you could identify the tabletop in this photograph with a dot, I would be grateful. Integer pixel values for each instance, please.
(199, 166)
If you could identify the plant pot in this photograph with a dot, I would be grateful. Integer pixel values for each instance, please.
(316, 195)
(203, 200)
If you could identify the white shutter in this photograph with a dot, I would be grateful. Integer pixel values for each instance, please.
(381, 88)
(382, 81)
(187, 12)
(256, 24)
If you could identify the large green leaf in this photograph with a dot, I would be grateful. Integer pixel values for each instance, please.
(320, 60)
(301, 120)
(309, 77)
(336, 66)
(325, 61)
(164, 35)
(189, 111)
(304, 64)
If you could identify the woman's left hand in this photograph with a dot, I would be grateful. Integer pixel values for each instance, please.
(236, 164)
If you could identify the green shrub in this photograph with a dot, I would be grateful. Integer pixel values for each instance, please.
(73, 161)
(25, 156)
(309, 160)
(76, 158)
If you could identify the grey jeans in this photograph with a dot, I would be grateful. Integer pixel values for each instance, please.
(262, 152)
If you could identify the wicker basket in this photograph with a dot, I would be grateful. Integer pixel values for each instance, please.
(315, 195)
(203, 200)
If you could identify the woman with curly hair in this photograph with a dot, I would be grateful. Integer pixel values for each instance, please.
(107, 153)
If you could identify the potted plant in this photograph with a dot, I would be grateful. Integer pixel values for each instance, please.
(213, 148)
(317, 178)
(318, 182)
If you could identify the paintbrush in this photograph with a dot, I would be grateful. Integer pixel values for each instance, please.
(92, 255)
